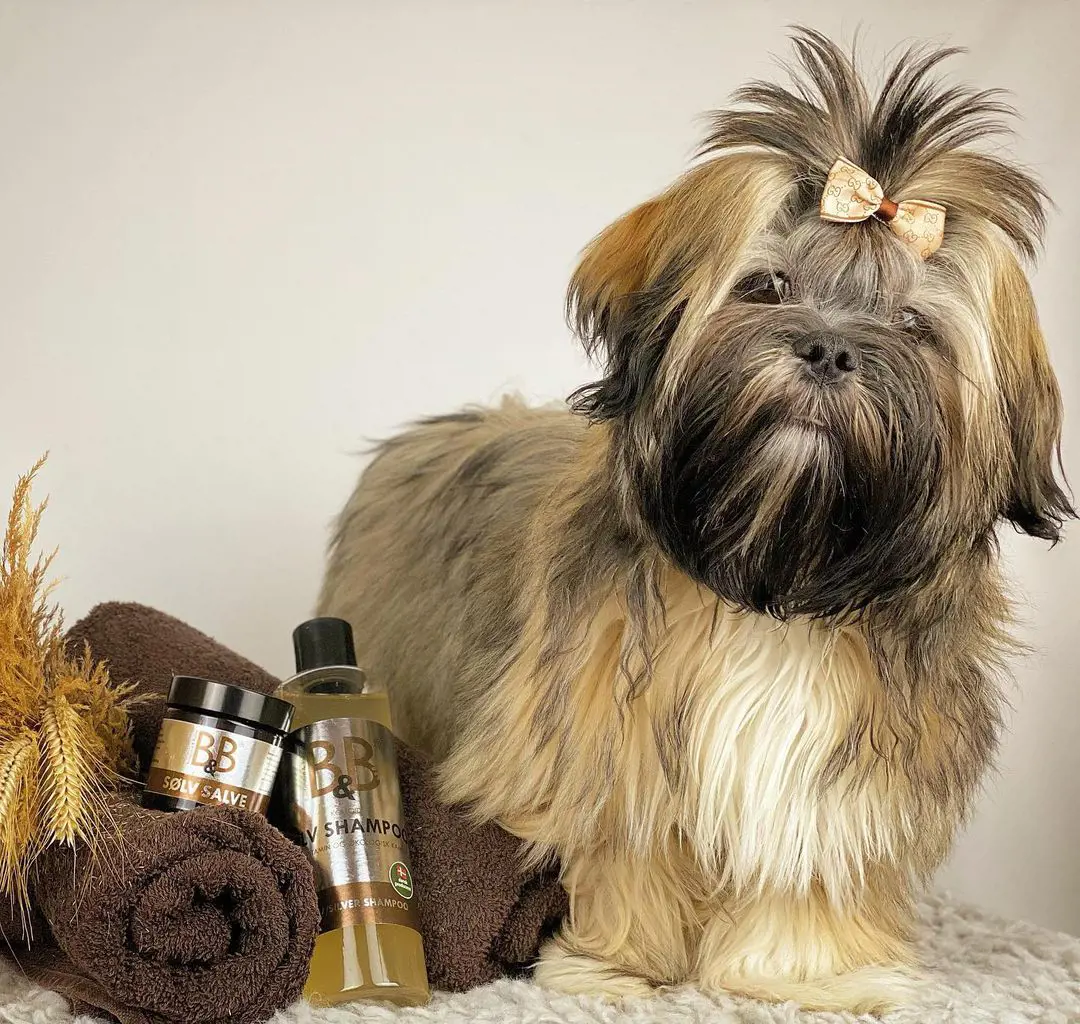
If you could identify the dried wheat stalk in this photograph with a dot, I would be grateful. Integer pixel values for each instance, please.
(18, 795)
(64, 734)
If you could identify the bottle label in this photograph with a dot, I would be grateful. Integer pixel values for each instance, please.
(342, 794)
(213, 766)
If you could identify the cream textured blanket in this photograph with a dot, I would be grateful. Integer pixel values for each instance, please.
(982, 970)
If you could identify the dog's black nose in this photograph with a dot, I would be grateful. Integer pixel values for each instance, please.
(829, 358)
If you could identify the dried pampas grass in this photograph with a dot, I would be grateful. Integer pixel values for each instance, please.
(64, 735)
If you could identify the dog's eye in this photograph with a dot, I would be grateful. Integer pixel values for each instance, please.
(916, 325)
(768, 288)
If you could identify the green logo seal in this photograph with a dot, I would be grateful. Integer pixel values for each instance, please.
(401, 880)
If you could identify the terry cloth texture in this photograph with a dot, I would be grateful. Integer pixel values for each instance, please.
(205, 916)
(481, 916)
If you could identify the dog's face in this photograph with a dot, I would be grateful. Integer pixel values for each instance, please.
(807, 416)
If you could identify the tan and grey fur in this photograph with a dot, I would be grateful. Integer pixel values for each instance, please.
(727, 640)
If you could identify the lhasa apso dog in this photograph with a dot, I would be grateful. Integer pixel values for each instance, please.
(727, 638)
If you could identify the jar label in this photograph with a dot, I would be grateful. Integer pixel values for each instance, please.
(343, 798)
(213, 766)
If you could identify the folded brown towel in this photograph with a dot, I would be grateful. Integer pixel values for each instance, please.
(208, 916)
(481, 916)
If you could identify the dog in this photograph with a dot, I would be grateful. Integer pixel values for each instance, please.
(727, 636)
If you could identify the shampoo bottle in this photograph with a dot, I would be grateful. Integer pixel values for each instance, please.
(340, 797)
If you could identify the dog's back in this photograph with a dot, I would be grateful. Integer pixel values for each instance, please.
(424, 558)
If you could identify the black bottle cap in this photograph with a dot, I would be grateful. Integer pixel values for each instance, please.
(205, 695)
(323, 643)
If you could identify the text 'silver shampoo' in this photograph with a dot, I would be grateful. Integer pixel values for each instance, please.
(340, 797)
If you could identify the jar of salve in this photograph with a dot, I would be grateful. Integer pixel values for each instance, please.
(218, 744)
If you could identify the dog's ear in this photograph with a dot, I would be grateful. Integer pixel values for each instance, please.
(620, 304)
(1036, 502)
(655, 271)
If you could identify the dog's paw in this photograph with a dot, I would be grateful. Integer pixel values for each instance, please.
(872, 989)
(563, 970)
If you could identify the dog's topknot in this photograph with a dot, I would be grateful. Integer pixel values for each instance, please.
(914, 121)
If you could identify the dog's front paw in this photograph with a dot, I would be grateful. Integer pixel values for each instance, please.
(872, 989)
(561, 969)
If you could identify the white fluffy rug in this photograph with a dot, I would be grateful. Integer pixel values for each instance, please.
(982, 970)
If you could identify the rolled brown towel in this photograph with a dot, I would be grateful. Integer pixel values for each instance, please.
(481, 916)
(208, 916)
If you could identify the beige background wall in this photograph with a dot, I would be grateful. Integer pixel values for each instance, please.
(236, 239)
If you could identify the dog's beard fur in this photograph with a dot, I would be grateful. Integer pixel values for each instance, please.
(789, 497)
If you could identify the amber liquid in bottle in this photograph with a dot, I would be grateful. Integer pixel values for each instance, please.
(370, 960)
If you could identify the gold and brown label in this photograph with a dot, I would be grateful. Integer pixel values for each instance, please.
(364, 903)
(213, 766)
(343, 797)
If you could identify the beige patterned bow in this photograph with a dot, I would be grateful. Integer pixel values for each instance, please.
(852, 195)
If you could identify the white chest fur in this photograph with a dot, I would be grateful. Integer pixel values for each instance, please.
(765, 707)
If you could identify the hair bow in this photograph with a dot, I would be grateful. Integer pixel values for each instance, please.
(852, 195)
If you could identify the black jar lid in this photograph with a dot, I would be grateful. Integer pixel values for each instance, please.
(232, 701)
